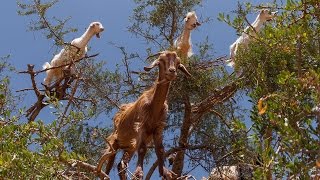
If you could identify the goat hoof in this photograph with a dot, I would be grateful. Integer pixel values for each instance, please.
(138, 174)
(168, 174)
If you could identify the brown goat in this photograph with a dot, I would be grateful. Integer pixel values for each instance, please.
(140, 122)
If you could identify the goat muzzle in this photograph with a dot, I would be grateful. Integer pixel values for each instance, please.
(172, 70)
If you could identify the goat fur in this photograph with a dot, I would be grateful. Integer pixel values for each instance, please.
(69, 53)
(183, 43)
(249, 33)
(139, 123)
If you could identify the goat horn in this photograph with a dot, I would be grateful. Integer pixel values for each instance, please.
(155, 63)
(153, 55)
(184, 70)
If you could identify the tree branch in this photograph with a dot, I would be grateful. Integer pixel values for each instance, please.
(171, 151)
(217, 97)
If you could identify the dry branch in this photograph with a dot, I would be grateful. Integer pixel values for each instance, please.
(217, 97)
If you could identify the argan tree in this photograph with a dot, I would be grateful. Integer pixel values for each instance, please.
(282, 70)
(206, 124)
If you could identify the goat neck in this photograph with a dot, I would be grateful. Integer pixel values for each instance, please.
(160, 92)
(85, 38)
(258, 23)
(185, 37)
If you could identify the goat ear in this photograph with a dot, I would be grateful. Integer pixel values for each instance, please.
(184, 70)
(185, 19)
(154, 63)
(263, 11)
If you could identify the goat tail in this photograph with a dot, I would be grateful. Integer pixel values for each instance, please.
(46, 66)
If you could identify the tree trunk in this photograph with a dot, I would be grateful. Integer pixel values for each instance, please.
(183, 140)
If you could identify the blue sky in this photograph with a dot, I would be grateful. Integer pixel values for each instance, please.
(26, 47)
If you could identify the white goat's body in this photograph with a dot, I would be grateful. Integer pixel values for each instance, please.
(65, 57)
(248, 34)
(183, 43)
(243, 41)
(73, 52)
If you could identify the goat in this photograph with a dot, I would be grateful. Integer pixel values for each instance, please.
(138, 123)
(245, 38)
(183, 43)
(73, 52)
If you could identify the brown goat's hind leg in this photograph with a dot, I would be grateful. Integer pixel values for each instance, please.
(123, 164)
(138, 174)
(108, 156)
(164, 172)
(105, 157)
(110, 163)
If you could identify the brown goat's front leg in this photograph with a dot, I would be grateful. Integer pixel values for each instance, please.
(142, 150)
(164, 172)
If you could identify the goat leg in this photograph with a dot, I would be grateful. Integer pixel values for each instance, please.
(138, 174)
(110, 163)
(157, 139)
(110, 156)
(168, 174)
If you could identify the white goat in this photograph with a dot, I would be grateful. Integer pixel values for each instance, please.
(73, 52)
(245, 38)
(183, 42)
